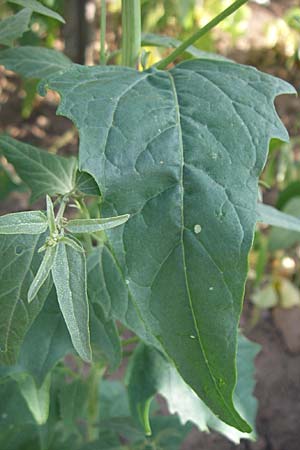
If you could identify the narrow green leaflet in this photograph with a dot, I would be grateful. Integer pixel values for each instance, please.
(285, 233)
(69, 276)
(157, 40)
(28, 222)
(43, 172)
(150, 373)
(37, 7)
(272, 216)
(33, 62)
(37, 399)
(50, 215)
(19, 261)
(42, 273)
(14, 27)
(94, 225)
(181, 151)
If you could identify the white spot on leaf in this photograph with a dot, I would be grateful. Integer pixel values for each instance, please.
(197, 228)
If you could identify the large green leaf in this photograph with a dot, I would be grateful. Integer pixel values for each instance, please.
(181, 151)
(38, 7)
(69, 277)
(14, 27)
(33, 62)
(104, 337)
(150, 373)
(19, 263)
(104, 333)
(43, 172)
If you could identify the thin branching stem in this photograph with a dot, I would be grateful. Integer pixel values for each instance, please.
(199, 34)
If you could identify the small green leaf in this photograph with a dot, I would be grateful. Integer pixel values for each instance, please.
(43, 172)
(33, 62)
(37, 7)
(42, 273)
(14, 27)
(51, 215)
(37, 399)
(74, 243)
(157, 40)
(85, 183)
(69, 276)
(28, 222)
(94, 225)
(272, 216)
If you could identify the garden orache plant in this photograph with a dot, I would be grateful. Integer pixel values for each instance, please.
(174, 155)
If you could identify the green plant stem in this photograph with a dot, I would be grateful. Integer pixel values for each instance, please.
(61, 210)
(103, 33)
(199, 34)
(130, 341)
(86, 215)
(131, 30)
(94, 379)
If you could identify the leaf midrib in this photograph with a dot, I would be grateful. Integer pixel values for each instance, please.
(177, 107)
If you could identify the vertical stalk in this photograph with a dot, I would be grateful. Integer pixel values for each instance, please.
(131, 28)
(94, 380)
(103, 33)
(85, 213)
